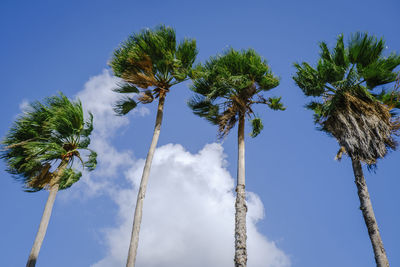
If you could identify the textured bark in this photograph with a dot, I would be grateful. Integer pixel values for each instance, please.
(240, 205)
(37, 244)
(369, 216)
(143, 184)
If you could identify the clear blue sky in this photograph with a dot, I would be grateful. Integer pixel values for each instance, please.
(310, 200)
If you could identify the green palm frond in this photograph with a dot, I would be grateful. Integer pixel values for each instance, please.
(124, 105)
(275, 103)
(126, 88)
(46, 134)
(91, 163)
(66, 117)
(88, 126)
(68, 178)
(309, 80)
(203, 107)
(151, 61)
(364, 49)
(228, 85)
(257, 127)
(348, 108)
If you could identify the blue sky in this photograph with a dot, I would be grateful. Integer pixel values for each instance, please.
(308, 200)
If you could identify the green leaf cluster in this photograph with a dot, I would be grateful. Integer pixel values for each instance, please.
(356, 69)
(151, 60)
(346, 103)
(46, 134)
(227, 86)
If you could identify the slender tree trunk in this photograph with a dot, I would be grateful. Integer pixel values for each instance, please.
(37, 244)
(143, 184)
(369, 216)
(240, 205)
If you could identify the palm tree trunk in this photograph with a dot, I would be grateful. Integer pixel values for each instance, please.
(240, 205)
(44, 222)
(143, 184)
(369, 216)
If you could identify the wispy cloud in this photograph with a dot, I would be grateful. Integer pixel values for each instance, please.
(24, 105)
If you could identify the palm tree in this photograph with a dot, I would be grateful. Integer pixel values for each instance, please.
(40, 148)
(150, 63)
(227, 86)
(348, 107)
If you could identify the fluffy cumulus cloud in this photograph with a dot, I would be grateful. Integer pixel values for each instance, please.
(189, 207)
(188, 214)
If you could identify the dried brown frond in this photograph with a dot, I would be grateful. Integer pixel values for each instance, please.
(239, 104)
(142, 80)
(226, 121)
(396, 126)
(144, 63)
(340, 153)
(43, 179)
(363, 127)
(140, 72)
(146, 97)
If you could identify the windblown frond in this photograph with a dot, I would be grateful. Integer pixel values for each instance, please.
(151, 62)
(124, 105)
(91, 163)
(68, 178)
(126, 88)
(45, 135)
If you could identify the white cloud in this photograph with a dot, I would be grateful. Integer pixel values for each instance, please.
(189, 207)
(98, 98)
(24, 105)
(188, 214)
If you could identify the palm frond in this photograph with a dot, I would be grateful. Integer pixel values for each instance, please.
(257, 127)
(204, 108)
(47, 133)
(88, 126)
(124, 105)
(363, 128)
(364, 49)
(275, 103)
(68, 178)
(348, 109)
(126, 88)
(91, 163)
(146, 97)
(227, 84)
(151, 60)
(309, 80)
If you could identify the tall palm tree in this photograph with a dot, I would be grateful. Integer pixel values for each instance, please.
(227, 86)
(349, 108)
(40, 149)
(150, 63)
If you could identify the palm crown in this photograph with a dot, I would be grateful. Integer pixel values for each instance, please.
(347, 105)
(228, 85)
(153, 61)
(44, 136)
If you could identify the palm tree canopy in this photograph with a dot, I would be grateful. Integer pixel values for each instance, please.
(152, 61)
(228, 85)
(347, 104)
(43, 136)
